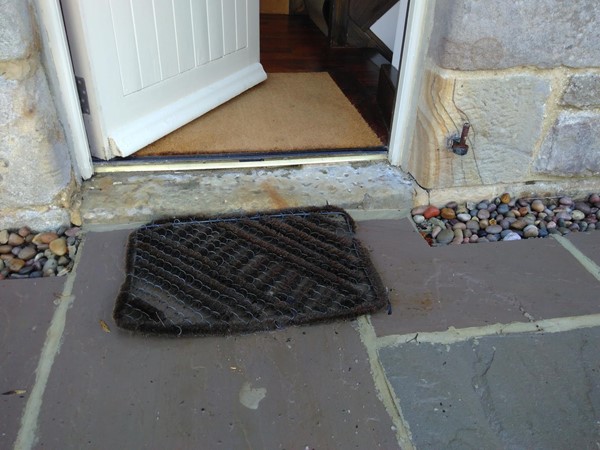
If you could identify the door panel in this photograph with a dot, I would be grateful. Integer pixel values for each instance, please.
(153, 65)
(215, 29)
(200, 31)
(166, 37)
(125, 41)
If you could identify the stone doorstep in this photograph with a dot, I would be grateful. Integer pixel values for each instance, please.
(126, 197)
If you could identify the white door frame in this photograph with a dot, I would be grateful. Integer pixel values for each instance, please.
(414, 48)
(53, 29)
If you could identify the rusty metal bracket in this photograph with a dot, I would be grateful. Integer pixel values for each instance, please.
(459, 145)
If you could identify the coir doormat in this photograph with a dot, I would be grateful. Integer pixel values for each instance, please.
(201, 276)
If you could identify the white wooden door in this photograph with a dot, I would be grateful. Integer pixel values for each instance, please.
(151, 66)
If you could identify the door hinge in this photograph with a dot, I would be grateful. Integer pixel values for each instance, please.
(83, 97)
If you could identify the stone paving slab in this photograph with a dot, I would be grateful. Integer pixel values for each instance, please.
(26, 310)
(304, 387)
(433, 288)
(587, 243)
(534, 391)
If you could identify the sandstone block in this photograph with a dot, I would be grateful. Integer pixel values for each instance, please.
(572, 147)
(505, 114)
(506, 118)
(472, 34)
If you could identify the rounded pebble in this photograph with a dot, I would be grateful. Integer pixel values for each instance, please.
(564, 215)
(472, 225)
(419, 218)
(502, 218)
(567, 201)
(72, 232)
(419, 210)
(584, 207)
(50, 265)
(63, 261)
(59, 246)
(502, 208)
(538, 205)
(45, 238)
(24, 232)
(15, 264)
(448, 213)
(14, 239)
(511, 236)
(27, 253)
(25, 270)
(430, 212)
(493, 229)
(483, 214)
(519, 224)
(530, 231)
(445, 236)
(5, 249)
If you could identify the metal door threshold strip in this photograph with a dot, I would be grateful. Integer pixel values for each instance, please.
(173, 165)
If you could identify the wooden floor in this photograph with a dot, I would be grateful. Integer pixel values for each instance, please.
(295, 44)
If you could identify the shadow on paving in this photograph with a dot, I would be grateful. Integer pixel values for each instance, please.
(293, 388)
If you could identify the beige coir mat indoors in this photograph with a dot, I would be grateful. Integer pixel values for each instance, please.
(287, 112)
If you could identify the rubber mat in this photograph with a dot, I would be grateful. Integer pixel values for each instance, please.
(214, 276)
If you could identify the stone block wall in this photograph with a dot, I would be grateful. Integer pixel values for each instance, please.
(36, 179)
(526, 76)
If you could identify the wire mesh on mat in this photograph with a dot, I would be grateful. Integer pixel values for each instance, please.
(240, 274)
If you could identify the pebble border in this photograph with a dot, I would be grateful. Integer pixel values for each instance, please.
(506, 219)
(26, 254)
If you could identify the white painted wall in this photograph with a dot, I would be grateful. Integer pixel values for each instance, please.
(385, 27)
